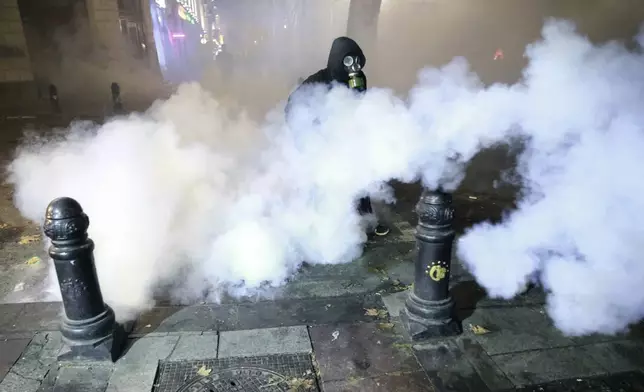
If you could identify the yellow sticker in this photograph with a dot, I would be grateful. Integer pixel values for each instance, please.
(437, 270)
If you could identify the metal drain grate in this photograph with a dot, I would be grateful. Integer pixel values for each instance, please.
(272, 373)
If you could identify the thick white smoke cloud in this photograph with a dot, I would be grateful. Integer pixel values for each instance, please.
(578, 226)
(186, 195)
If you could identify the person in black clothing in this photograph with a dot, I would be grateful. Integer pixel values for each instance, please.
(345, 53)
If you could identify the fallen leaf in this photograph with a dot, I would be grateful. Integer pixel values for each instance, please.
(402, 346)
(371, 312)
(380, 313)
(28, 239)
(34, 260)
(203, 371)
(400, 287)
(3, 226)
(478, 330)
(386, 326)
(300, 384)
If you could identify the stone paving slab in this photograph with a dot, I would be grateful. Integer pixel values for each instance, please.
(164, 320)
(192, 347)
(42, 316)
(468, 295)
(539, 366)
(357, 351)
(254, 315)
(350, 357)
(483, 363)
(10, 351)
(136, 370)
(30, 370)
(619, 382)
(448, 367)
(25, 319)
(515, 329)
(618, 356)
(286, 340)
(521, 347)
(10, 313)
(395, 302)
(80, 378)
(395, 382)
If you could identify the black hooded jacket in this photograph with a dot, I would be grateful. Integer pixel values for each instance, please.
(334, 71)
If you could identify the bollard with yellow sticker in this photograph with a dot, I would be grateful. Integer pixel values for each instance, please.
(429, 309)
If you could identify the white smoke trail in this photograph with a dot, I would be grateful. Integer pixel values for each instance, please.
(578, 226)
(187, 195)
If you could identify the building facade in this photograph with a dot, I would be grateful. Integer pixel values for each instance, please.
(15, 65)
(81, 46)
(15, 62)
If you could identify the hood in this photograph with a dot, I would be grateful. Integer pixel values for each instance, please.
(342, 46)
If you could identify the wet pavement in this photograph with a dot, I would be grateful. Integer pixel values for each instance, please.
(347, 343)
(331, 328)
(23, 266)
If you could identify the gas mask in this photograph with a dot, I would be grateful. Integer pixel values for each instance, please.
(353, 67)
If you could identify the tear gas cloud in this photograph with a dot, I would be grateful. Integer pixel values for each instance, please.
(188, 197)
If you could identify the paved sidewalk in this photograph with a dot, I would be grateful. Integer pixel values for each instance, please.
(351, 343)
(331, 329)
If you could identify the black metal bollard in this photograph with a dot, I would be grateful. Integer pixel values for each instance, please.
(89, 327)
(53, 98)
(429, 309)
(117, 105)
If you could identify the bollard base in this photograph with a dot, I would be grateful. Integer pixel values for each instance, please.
(429, 319)
(108, 349)
(100, 338)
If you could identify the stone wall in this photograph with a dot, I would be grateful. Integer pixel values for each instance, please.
(15, 65)
(104, 21)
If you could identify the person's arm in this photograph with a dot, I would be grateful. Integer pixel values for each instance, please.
(318, 77)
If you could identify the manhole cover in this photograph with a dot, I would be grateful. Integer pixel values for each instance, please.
(270, 373)
(239, 380)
